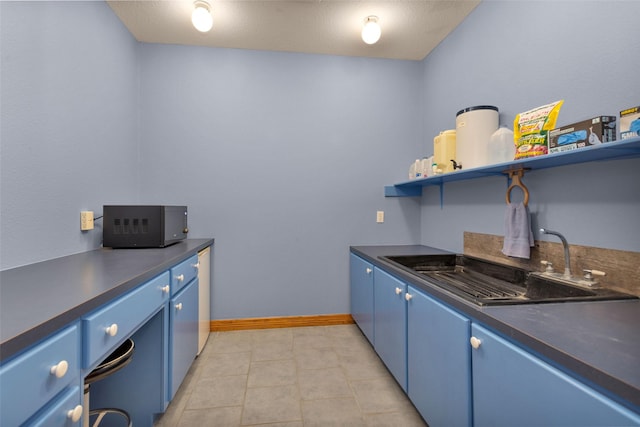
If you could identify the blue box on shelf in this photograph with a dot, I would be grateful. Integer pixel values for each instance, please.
(630, 123)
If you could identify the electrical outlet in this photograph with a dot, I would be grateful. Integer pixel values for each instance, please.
(86, 220)
(380, 217)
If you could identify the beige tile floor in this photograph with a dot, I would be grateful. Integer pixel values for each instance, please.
(315, 376)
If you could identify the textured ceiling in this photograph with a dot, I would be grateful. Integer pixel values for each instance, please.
(410, 28)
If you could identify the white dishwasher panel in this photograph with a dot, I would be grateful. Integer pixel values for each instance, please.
(204, 289)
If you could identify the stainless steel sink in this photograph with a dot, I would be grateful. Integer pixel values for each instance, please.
(487, 283)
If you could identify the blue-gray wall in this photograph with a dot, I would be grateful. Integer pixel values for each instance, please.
(283, 157)
(69, 131)
(519, 55)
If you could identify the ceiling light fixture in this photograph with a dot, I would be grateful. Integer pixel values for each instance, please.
(371, 30)
(201, 16)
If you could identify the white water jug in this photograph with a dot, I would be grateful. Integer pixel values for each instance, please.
(501, 146)
(444, 150)
(474, 127)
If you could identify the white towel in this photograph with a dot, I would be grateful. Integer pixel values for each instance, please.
(518, 238)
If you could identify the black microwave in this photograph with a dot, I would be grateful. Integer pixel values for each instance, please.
(143, 226)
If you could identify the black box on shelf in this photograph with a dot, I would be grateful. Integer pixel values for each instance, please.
(594, 131)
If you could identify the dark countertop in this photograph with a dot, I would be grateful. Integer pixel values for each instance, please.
(597, 341)
(39, 299)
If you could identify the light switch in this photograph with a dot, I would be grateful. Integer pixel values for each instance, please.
(380, 217)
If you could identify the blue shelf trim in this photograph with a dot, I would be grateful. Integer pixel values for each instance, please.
(396, 191)
(628, 148)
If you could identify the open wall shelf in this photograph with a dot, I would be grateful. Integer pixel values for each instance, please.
(623, 149)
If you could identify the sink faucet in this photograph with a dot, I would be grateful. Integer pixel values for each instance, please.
(567, 262)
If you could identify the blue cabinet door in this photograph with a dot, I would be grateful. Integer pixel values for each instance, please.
(439, 361)
(512, 387)
(361, 281)
(183, 325)
(390, 324)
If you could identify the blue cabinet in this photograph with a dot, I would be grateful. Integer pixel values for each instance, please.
(34, 381)
(108, 327)
(41, 383)
(458, 373)
(361, 275)
(61, 412)
(183, 321)
(390, 324)
(141, 387)
(182, 274)
(439, 361)
(183, 325)
(513, 387)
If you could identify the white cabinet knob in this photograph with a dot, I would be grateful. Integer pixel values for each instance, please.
(408, 296)
(75, 414)
(165, 289)
(196, 265)
(180, 278)
(368, 270)
(475, 342)
(112, 330)
(179, 306)
(398, 291)
(60, 369)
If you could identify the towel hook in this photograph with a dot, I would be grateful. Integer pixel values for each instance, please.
(515, 176)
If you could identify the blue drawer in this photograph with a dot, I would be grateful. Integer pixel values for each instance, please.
(127, 314)
(27, 382)
(183, 273)
(59, 413)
